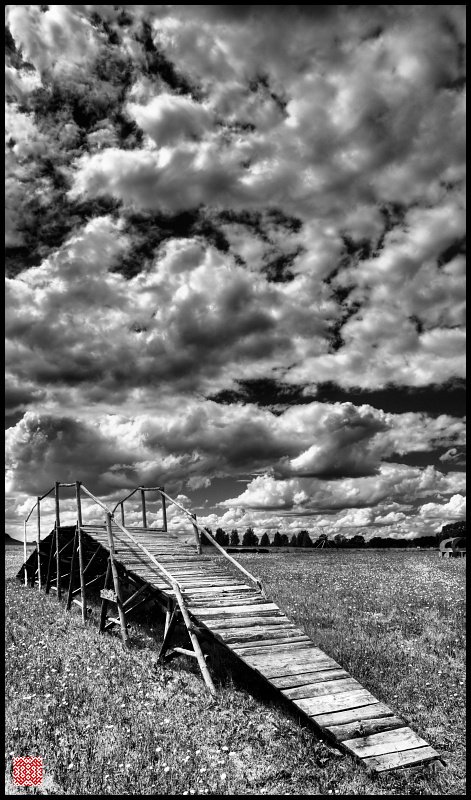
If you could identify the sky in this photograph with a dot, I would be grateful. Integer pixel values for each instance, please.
(235, 262)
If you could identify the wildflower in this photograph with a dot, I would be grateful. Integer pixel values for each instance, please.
(223, 776)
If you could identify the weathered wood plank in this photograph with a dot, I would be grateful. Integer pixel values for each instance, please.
(385, 742)
(280, 657)
(287, 681)
(322, 688)
(335, 702)
(356, 714)
(364, 727)
(419, 755)
(234, 610)
(242, 622)
(257, 634)
(269, 640)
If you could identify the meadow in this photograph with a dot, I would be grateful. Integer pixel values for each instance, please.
(110, 722)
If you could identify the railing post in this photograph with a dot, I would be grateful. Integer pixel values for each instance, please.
(38, 543)
(56, 502)
(117, 590)
(164, 510)
(143, 504)
(79, 503)
(80, 549)
(24, 554)
(122, 512)
(58, 522)
(197, 536)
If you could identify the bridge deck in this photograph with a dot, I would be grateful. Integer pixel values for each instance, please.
(258, 632)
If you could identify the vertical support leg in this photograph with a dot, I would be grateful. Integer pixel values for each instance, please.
(24, 554)
(58, 565)
(170, 624)
(197, 536)
(168, 616)
(194, 640)
(38, 543)
(122, 513)
(164, 512)
(58, 522)
(143, 506)
(104, 603)
(117, 589)
(50, 562)
(72, 567)
(82, 577)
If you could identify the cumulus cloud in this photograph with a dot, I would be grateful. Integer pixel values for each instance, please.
(201, 195)
(168, 118)
(455, 508)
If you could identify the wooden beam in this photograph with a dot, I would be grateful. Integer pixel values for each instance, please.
(72, 567)
(143, 506)
(194, 641)
(38, 543)
(117, 588)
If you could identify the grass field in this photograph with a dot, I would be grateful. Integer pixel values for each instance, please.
(108, 722)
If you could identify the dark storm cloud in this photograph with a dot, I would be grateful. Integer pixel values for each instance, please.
(257, 204)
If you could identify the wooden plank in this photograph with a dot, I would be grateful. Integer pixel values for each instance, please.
(290, 668)
(322, 688)
(276, 657)
(266, 642)
(241, 622)
(309, 677)
(406, 758)
(353, 715)
(335, 702)
(261, 633)
(364, 727)
(385, 742)
(234, 610)
(270, 645)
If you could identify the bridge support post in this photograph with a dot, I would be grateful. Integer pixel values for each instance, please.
(72, 568)
(117, 589)
(164, 510)
(143, 506)
(38, 543)
(58, 522)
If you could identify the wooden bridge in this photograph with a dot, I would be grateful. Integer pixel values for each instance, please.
(132, 565)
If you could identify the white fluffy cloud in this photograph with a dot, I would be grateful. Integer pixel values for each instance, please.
(286, 183)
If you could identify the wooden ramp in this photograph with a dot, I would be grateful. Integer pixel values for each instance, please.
(256, 630)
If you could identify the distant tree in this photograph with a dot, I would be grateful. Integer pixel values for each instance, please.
(339, 539)
(265, 540)
(250, 539)
(357, 541)
(235, 539)
(376, 541)
(426, 541)
(205, 540)
(294, 540)
(304, 540)
(284, 540)
(276, 540)
(221, 537)
(452, 529)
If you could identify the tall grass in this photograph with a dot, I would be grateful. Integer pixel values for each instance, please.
(111, 722)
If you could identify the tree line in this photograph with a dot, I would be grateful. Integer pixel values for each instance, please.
(303, 539)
